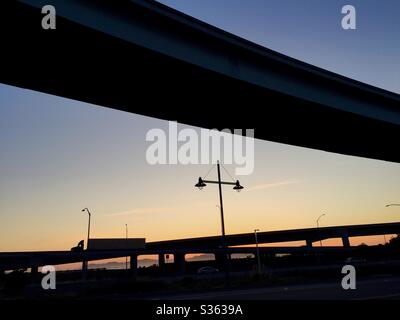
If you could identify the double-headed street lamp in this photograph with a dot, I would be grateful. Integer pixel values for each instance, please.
(201, 184)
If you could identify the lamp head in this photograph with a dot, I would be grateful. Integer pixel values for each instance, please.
(200, 184)
(237, 186)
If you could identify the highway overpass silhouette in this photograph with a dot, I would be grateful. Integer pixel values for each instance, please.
(143, 57)
(309, 235)
(181, 247)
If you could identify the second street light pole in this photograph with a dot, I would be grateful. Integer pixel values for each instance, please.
(391, 205)
(258, 251)
(126, 237)
(88, 236)
(320, 241)
(88, 232)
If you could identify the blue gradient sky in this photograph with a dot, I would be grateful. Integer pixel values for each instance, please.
(58, 156)
(310, 30)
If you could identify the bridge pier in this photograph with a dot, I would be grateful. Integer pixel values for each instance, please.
(219, 260)
(161, 261)
(85, 265)
(346, 241)
(223, 261)
(34, 274)
(309, 243)
(345, 238)
(179, 261)
(133, 264)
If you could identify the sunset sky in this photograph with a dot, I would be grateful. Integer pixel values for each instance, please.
(58, 156)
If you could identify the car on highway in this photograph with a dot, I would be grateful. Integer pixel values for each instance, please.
(79, 247)
(355, 260)
(207, 270)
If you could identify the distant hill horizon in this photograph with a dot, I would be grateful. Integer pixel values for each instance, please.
(114, 265)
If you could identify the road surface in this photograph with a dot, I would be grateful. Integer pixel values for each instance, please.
(385, 287)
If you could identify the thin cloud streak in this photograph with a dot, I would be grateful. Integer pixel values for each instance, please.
(138, 210)
(273, 185)
(156, 210)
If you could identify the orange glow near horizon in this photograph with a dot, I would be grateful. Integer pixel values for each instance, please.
(60, 155)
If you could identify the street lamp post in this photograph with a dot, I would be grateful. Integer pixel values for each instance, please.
(320, 241)
(391, 205)
(201, 184)
(126, 237)
(258, 251)
(85, 263)
(88, 233)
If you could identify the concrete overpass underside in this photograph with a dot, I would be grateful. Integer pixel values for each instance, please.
(142, 57)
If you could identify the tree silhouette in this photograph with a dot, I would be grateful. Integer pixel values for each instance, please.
(395, 241)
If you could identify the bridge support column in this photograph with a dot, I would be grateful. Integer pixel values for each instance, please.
(34, 273)
(179, 261)
(346, 241)
(219, 260)
(133, 264)
(309, 243)
(223, 261)
(85, 265)
(161, 261)
(2, 274)
(345, 238)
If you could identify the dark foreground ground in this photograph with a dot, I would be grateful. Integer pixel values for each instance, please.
(385, 287)
(374, 280)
